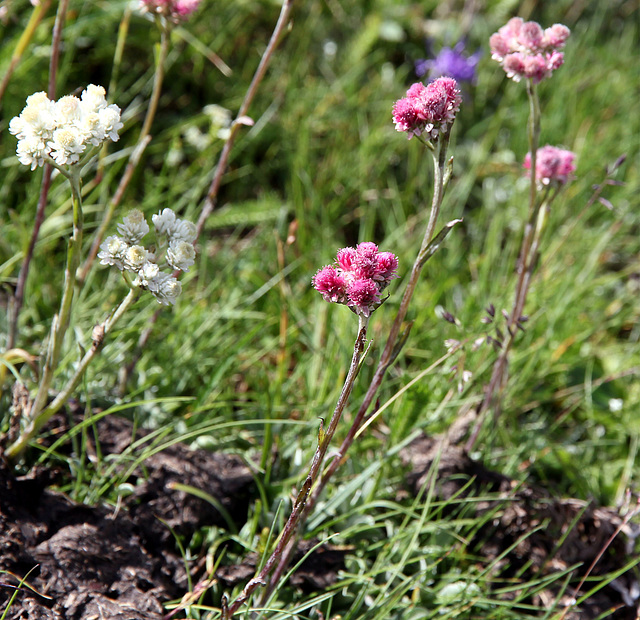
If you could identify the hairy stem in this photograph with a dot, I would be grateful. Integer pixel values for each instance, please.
(324, 441)
(100, 332)
(393, 345)
(60, 321)
(223, 162)
(524, 269)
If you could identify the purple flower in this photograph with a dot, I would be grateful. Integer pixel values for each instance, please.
(450, 61)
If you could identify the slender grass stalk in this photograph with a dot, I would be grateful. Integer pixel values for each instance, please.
(99, 334)
(143, 140)
(39, 11)
(324, 441)
(524, 269)
(60, 321)
(16, 301)
(223, 162)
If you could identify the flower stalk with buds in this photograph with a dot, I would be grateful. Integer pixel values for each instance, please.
(141, 270)
(356, 280)
(59, 132)
(527, 51)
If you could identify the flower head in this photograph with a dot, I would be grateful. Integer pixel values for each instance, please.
(61, 130)
(175, 229)
(429, 109)
(358, 277)
(134, 226)
(180, 254)
(112, 251)
(450, 61)
(554, 166)
(175, 10)
(125, 252)
(524, 49)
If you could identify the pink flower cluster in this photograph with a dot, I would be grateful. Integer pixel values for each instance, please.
(173, 9)
(553, 165)
(524, 49)
(429, 109)
(358, 277)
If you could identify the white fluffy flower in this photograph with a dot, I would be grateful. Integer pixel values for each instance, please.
(68, 111)
(113, 251)
(64, 127)
(66, 145)
(31, 151)
(147, 276)
(136, 256)
(164, 221)
(125, 252)
(183, 230)
(167, 223)
(36, 119)
(134, 226)
(167, 289)
(180, 254)
(110, 121)
(93, 98)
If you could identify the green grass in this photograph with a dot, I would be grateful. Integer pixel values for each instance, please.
(323, 153)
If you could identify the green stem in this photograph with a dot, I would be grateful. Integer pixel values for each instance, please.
(524, 270)
(99, 335)
(395, 341)
(324, 441)
(61, 320)
(395, 338)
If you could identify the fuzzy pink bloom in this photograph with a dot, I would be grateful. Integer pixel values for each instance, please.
(429, 109)
(531, 35)
(499, 46)
(406, 118)
(553, 165)
(332, 284)
(525, 50)
(556, 36)
(535, 67)
(387, 267)
(364, 294)
(346, 258)
(514, 66)
(358, 277)
(366, 262)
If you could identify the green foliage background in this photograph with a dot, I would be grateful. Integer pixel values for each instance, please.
(251, 343)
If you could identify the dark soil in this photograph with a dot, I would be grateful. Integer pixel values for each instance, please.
(81, 563)
(95, 562)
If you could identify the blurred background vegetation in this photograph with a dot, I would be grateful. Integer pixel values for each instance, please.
(250, 341)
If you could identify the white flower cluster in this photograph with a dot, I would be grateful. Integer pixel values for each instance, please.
(61, 130)
(125, 252)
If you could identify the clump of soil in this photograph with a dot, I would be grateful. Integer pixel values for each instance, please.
(95, 562)
(573, 531)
